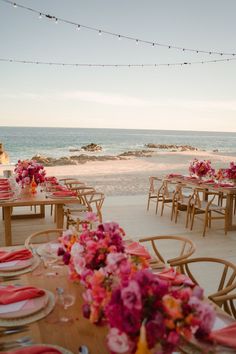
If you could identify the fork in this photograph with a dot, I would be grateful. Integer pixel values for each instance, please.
(24, 341)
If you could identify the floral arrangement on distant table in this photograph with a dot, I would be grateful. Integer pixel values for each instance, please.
(230, 172)
(27, 170)
(201, 168)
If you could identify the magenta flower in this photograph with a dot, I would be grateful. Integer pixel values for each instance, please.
(131, 296)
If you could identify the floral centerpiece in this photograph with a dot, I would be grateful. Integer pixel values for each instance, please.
(201, 168)
(27, 170)
(168, 313)
(230, 172)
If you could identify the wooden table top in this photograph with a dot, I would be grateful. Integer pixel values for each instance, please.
(40, 198)
(68, 335)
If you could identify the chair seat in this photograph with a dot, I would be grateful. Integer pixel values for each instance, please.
(212, 207)
(75, 207)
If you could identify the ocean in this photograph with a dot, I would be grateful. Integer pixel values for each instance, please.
(25, 142)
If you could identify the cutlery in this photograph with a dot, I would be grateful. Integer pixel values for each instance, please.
(83, 349)
(24, 341)
(3, 279)
(8, 331)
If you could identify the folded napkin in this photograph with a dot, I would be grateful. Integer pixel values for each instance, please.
(64, 194)
(4, 187)
(174, 277)
(225, 336)
(15, 255)
(226, 185)
(36, 349)
(137, 250)
(5, 195)
(209, 181)
(11, 293)
(174, 175)
(58, 187)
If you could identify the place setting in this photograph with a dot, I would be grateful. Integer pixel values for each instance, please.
(14, 262)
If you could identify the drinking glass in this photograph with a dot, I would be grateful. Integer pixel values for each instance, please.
(64, 300)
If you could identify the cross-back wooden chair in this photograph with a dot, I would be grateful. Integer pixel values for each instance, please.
(182, 201)
(225, 291)
(154, 193)
(182, 248)
(208, 208)
(42, 237)
(167, 190)
(93, 202)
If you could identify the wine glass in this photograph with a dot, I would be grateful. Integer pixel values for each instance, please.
(64, 300)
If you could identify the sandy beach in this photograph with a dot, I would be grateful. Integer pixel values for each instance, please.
(130, 176)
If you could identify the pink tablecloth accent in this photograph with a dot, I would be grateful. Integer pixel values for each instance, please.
(174, 277)
(225, 336)
(64, 194)
(137, 250)
(36, 349)
(11, 293)
(15, 255)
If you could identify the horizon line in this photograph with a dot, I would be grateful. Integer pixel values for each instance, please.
(150, 129)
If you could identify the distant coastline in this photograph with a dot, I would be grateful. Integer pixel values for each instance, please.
(26, 142)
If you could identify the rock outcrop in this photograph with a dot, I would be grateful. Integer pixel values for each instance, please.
(91, 147)
(137, 153)
(4, 158)
(172, 147)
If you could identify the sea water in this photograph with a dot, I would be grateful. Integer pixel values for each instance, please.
(25, 142)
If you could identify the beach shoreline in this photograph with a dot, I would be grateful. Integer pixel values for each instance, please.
(130, 176)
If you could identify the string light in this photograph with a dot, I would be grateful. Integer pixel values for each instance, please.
(127, 37)
(40, 15)
(78, 27)
(116, 65)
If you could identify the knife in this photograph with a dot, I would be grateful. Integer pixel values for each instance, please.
(4, 332)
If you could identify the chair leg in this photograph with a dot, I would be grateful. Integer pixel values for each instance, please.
(173, 210)
(188, 216)
(176, 213)
(205, 223)
(192, 221)
(148, 204)
(162, 207)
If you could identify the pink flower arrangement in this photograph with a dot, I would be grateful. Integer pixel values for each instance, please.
(230, 172)
(201, 168)
(26, 170)
(169, 314)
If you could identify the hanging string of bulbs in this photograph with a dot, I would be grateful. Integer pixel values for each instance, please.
(114, 65)
(79, 26)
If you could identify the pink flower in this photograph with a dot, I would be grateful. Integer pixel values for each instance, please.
(90, 216)
(131, 296)
(117, 341)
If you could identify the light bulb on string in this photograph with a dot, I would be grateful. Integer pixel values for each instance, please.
(56, 21)
(40, 15)
(137, 41)
(14, 5)
(153, 45)
(100, 32)
(78, 27)
(119, 37)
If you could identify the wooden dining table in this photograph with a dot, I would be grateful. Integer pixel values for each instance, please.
(78, 330)
(230, 193)
(49, 330)
(42, 199)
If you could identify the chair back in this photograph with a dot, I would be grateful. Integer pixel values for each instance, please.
(154, 184)
(221, 272)
(42, 237)
(94, 202)
(169, 249)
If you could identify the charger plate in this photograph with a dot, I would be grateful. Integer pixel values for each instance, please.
(31, 307)
(14, 322)
(30, 268)
(20, 264)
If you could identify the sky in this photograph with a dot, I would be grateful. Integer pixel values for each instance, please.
(196, 97)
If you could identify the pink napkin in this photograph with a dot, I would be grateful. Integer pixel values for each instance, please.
(11, 293)
(225, 336)
(191, 177)
(209, 181)
(174, 175)
(174, 277)
(60, 188)
(64, 194)
(5, 195)
(15, 255)
(36, 349)
(226, 185)
(137, 250)
(4, 187)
